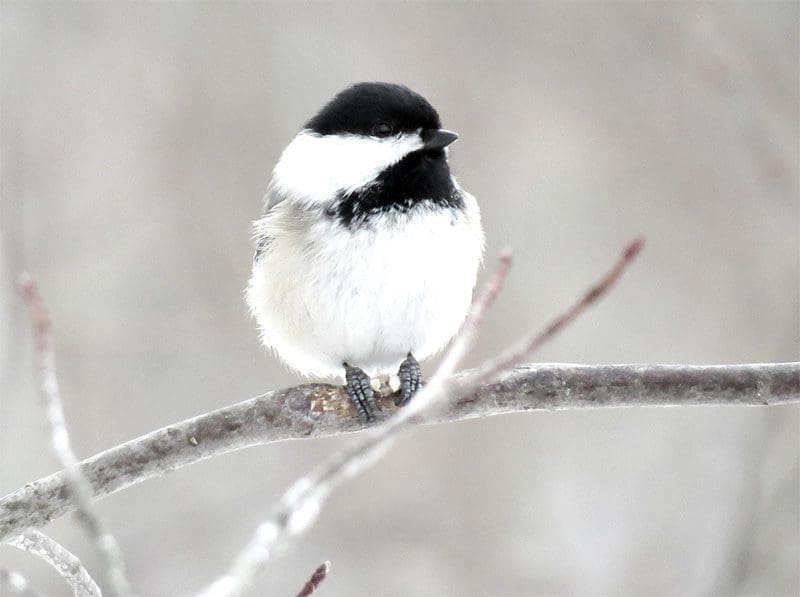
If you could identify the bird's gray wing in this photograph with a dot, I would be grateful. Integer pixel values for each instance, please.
(261, 236)
(272, 197)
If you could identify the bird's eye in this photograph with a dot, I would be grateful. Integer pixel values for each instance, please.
(382, 129)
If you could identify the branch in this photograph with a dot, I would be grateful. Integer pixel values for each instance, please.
(322, 410)
(76, 482)
(313, 583)
(60, 558)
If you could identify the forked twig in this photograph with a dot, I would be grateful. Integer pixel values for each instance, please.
(79, 486)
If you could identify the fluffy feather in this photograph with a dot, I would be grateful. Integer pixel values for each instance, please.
(324, 294)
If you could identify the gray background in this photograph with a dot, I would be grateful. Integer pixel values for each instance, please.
(137, 141)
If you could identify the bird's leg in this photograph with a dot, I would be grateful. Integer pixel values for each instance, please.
(361, 393)
(410, 379)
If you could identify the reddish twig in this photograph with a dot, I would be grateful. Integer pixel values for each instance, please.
(319, 575)
(527, 346)
(591, 297)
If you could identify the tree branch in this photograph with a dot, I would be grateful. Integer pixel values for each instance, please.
(322, 410)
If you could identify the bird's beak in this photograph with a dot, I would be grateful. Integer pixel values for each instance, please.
(437, 138)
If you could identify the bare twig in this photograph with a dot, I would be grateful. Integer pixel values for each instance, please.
(14, 583)
(79, 486)
(300, 505)
(319, 575)
(60, 558)
(530, 344)
(321, 410)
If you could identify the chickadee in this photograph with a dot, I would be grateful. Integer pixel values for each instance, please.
(368, 250)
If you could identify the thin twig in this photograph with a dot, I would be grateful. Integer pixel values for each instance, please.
(322, 410)
(60, 558)
(300, 505)
(530, 344)
(14, 583)
(79, 486)
(319, 575)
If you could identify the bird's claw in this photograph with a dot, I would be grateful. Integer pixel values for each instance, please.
(361, 393)
(410, 376)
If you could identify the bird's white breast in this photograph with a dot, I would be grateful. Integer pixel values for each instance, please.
(324, 293)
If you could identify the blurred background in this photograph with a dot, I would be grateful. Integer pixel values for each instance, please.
(137, 141)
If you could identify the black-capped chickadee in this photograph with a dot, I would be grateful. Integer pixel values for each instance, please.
(368, 250)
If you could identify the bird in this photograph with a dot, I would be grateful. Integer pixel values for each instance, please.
(368, 250)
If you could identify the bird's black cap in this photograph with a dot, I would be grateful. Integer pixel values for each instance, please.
(364, 106)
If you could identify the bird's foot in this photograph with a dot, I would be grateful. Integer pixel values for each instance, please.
(410, 379)
(361, 393)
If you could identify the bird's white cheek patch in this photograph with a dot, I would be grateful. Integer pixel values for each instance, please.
(314, 168)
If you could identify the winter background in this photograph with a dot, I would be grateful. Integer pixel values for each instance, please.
(137, 141)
